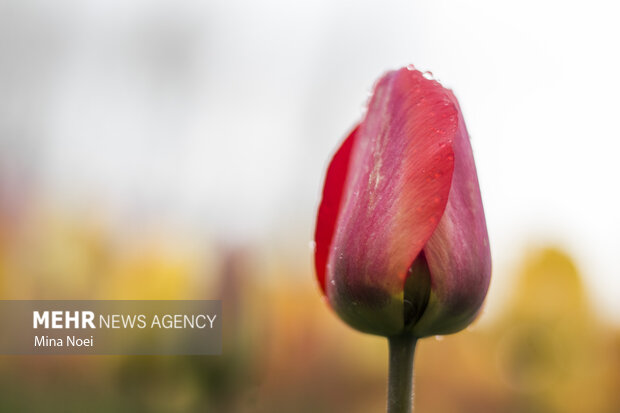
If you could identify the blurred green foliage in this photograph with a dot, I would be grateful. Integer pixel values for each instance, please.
(546, 351)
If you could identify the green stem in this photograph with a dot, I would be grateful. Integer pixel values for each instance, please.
(400, 379)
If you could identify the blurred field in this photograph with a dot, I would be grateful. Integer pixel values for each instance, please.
(284, 351)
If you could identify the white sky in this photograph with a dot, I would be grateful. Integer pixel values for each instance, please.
(223, 114)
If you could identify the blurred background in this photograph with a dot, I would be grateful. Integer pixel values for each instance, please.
(176, 150)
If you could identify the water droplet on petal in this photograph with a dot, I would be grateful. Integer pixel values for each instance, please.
(428, 75)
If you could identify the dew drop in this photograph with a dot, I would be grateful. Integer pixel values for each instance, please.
(410, 67)
(439, 338)
(428, 75)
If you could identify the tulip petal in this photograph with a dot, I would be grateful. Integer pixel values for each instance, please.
(458, 252)
(330, 206)
(400, 174)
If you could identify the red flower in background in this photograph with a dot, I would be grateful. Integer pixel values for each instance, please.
(401, 239)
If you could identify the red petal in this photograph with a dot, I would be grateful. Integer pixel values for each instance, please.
(400, 175)
(458, 253)
(330, 205)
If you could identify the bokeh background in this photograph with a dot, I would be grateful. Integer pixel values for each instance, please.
(175, 150)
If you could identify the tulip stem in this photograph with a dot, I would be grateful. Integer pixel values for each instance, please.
(400, 379)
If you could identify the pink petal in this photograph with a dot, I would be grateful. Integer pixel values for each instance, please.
(400, 174)
(458, 253)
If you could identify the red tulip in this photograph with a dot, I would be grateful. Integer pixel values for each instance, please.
(401, 239)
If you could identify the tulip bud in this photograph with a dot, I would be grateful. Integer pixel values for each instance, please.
(401, 239)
